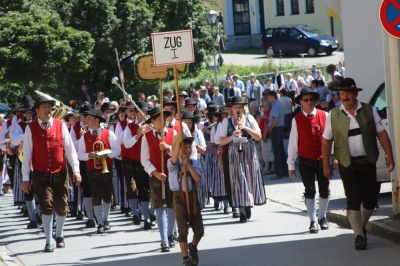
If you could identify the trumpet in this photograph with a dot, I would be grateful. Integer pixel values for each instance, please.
(85, 128)
(100, 162)
(240, 149)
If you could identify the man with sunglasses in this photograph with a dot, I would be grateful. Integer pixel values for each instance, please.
(305, 142)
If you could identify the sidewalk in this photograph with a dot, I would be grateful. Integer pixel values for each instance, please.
(290, 193)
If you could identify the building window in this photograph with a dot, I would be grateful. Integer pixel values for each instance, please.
(310, 7)
(295, 7)
(241, 17)
(280, 7)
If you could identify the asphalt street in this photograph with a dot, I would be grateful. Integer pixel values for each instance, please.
(277, 234)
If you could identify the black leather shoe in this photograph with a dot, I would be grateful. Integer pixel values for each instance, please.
(193, 257)
(136, 220)
(32, 224)
(243, 218)
(90, 224)
(147, 225)
(186, 262)
(164, 247)
(100, 229)
(49, 247)
(128, 214)
(171, 241)
(107, 225)
(60, 242)
(79, 216)
(360, 243)
(323, 223)
(153, 220)
(313, 228)
(248, 212)
(365, 236)
(235, 213)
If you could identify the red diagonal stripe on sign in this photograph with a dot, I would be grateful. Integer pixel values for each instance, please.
(396, 4)
(395, 22)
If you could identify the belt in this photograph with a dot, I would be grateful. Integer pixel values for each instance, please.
(360, 160)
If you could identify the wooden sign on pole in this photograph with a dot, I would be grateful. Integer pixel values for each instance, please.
(170, 49)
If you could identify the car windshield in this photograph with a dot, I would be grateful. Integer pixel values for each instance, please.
(311, 32)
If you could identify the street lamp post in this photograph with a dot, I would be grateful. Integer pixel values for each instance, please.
(211, 18)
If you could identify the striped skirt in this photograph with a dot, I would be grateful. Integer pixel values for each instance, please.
(247, 184)
(202, 192)
(17, 189)
(217, 181)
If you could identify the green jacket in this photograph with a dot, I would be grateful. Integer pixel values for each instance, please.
(340, 129)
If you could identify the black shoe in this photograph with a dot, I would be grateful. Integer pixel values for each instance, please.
(360, 243)
(323, 223)
(193, 257)
(24, 208)
(235, 213)
(313, 228)
(164, 247)
(248, 212)
(226, 211)
(90, 224)
(243, 218)
(79, 216)
(49, 247)
(147, 225)
(100, 229)
(32, 224)
(365, 236)
(186, 262)
(107, 225)
(113, 207)
(136, 220)
(60, 242)
(128, 214)
(171, 241)
(73, 213)
(153, 220)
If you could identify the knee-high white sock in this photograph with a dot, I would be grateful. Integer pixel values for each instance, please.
(98, 210)
(323, 206)
(145, 210)
(311, 209)
(171, 221)
(106, 210)
(89, 207)
(161, 214)
(30, 204)
(355, 222)
(60, 226)
(365, 215)
(48, 227)
(133, 204)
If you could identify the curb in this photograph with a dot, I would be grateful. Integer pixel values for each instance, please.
(7, 258)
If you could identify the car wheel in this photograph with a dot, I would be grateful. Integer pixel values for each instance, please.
(329, 53)
(311, 51)
(270, 51)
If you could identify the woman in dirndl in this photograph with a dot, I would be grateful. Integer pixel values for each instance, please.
(246, 182)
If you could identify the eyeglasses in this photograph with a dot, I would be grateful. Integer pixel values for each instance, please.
(308, 99)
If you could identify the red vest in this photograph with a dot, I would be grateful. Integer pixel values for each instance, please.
(310, 132)
(48, 147)
(177, 127)
(77, 129)
(126, 153)
(154, 149)
(89, 140)
(135, 150)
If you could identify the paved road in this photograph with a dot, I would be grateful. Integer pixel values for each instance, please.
(306, 61)
(276, 235)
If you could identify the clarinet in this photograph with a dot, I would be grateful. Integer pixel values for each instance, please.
(238, 121)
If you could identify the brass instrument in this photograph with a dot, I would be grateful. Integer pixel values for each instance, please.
(85, 128)
(99, 161)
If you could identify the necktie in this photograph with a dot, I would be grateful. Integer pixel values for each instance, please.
(311, 115)
(45, 125)
(95, 133)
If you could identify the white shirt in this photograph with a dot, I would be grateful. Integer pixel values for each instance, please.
(201, 104)
(129, 139)
(291, 85)
(249, 83)
(4, 130)
(69, 150)
(342, 71)
(115, 147)
(224, 126)
(18, 136)
(212, 135)
(173, 171)
(119, 133)
(330, 78)
(13, 126)
(308, 80)
(240, 85)
(293, 147)
(355, 143)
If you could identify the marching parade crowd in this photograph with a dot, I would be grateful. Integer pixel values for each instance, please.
(162, 168)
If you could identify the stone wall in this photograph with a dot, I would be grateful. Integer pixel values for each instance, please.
(242, 42)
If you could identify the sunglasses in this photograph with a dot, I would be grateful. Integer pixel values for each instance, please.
(308, 99)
